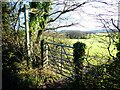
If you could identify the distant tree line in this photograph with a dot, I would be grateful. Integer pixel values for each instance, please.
(75, 34)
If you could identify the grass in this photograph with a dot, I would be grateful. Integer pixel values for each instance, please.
(97, 45)
(97, 48)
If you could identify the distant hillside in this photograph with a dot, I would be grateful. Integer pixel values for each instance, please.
(91, 31)
(74, 34)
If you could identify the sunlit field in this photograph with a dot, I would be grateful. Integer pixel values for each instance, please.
(99, 48)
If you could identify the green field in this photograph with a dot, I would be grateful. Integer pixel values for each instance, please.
(97, 48)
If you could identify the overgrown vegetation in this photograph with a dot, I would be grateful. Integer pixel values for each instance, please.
(17, 74)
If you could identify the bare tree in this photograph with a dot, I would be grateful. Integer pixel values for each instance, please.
(105, 14)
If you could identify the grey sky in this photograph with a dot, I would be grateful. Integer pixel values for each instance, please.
(88, 15)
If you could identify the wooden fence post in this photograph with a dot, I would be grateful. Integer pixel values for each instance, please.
(47, 61)
(42, 52)
(27, 33)
(61, 61)
(78, 53)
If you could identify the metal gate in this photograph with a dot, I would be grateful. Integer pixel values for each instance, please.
(58, 58)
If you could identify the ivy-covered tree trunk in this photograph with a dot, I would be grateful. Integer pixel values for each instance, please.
(38, 20)
(38, 23)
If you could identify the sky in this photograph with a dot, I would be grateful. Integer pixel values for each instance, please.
(88, 15)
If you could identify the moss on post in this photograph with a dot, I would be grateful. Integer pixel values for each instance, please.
(78, 54)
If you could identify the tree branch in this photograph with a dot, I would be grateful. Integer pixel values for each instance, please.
(65, 11)
(15, 5)
(55, 13)
(61, 26)
(115, 25)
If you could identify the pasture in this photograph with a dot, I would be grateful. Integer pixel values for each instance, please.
(100, 48)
